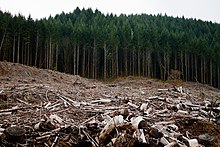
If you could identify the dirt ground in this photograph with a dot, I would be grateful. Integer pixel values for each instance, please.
(39, 92)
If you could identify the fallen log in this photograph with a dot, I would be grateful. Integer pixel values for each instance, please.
(12, 109)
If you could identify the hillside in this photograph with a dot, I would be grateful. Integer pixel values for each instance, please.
(50, 108)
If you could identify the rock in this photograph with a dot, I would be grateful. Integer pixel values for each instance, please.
(205, 139)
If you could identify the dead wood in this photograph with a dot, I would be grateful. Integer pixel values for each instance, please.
(11, 110)
(74, 111)
(14, 133)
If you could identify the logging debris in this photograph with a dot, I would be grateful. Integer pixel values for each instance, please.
(73, 111)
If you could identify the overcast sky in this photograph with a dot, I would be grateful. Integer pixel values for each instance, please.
(201, 9)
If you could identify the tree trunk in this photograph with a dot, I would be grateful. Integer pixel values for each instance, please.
(28, 53)
(164, 65)
(116, 60)
(45, 55)
(191, 68)
(94, 60)
(4, 50)
(196, 69)
(139, 62)
(88, 64)
(201, 70)
(57, 55)
(204, 70)
(143, 65)
(74, 59)
(149, 64)
(24, 55)
(210, 73)
(133, 62)
(36, 50)
(175, 60)
(77, 59)
(168, 65)
(2, 41)
(182, 65)
(130, 63)
(125, 62)
(160, 65)
(13, 60)
(18, 56)
(113, 63)
(218, 75)
(105, 59)
(50, 56)
(83, 61)
(23, 51)
(186, 67)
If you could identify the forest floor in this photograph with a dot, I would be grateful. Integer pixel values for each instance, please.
(57, 109)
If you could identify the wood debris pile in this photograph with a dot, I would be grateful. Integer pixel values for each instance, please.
(39, 115)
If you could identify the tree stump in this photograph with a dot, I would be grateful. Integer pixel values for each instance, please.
(14, 134)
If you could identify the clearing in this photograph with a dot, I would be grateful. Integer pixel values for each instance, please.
(40, 107)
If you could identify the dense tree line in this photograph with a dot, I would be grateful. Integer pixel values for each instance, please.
(95, 45)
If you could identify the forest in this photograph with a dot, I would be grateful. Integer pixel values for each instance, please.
(93, 45)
